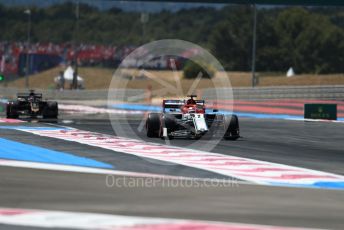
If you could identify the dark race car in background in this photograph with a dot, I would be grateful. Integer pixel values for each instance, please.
(188, 119)
(31, 105)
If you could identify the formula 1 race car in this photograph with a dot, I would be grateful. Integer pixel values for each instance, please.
(188, 119)
(31, 105)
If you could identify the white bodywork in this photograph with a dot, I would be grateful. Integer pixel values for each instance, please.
(198, 120)
(68, 78)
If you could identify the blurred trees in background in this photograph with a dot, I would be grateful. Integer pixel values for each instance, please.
(311, 40)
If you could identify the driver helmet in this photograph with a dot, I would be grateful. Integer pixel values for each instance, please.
(191, 102)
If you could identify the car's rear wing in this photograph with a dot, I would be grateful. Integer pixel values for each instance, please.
(176, 104)
(172, 103)
(27, 95)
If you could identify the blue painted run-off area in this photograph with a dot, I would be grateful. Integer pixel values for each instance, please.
(154, 108)
(319, 184)
(13, 150)
(139, 107)
(22, 127)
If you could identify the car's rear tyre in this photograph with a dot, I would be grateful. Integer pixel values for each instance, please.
(50, 110)
(233, 130)
(153, 125)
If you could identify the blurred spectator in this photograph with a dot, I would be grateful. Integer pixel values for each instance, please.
(87, 55)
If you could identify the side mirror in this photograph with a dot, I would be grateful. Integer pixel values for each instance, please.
(215, 110)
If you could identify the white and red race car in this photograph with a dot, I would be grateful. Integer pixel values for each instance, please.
(188, 119)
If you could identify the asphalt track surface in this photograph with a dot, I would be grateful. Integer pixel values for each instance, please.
(312, 145)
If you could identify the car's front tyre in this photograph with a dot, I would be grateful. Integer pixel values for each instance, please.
(11, 110)
(153, 125)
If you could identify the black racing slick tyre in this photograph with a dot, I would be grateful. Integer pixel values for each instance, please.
(168, 122)
(153, 125)
(233, 130)
(11, 110)
(50, 110)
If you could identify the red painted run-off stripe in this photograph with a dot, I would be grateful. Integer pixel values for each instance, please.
(269, 110)
(285, 107)
(93, 110)
(13, 212)
(280, 102)
(8, 120)
(260, 172)
(264, 109)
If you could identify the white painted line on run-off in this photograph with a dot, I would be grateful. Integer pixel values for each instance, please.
(86, 221)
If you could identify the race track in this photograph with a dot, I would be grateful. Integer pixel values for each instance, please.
(310, 145)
